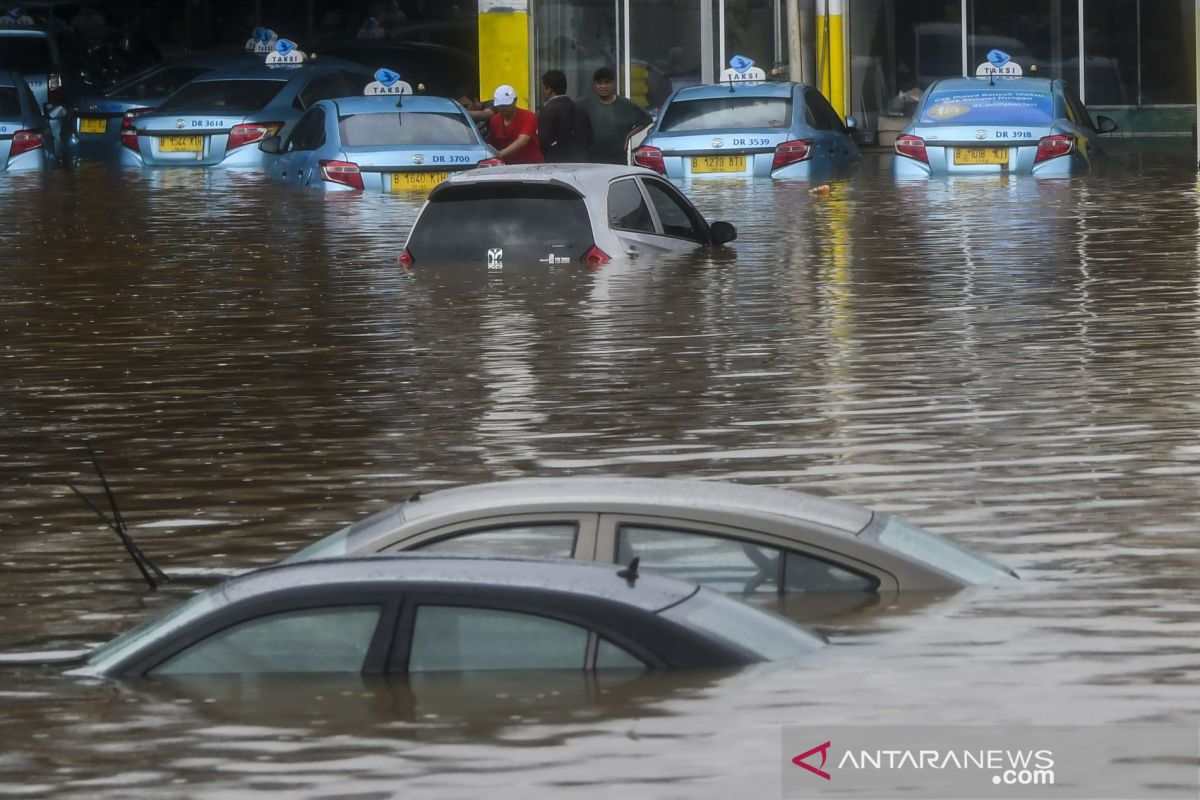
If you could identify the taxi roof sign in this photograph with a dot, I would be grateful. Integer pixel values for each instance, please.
(371, 29)
(387, 82)
(285, 54)
(999, 64)
(261, 41)
(742, 69)
(16, 18)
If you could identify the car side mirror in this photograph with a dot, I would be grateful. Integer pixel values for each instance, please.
(271, 144)
(1105, 124)
(53, 111)
(721, 233)
(851, 122)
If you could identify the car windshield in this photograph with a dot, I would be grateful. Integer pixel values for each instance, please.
(525, 222)
(404, 127)
(987, 106)
(29, 55)
(726, 112)
(763, 634)
(940, 553)
(231, 95)
(159, 83)
(10, 103)
(114, 651)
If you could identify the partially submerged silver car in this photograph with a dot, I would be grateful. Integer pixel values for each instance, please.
(736, 538)
(556, 214)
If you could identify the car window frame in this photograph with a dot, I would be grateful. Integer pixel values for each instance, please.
(302, 128)
(815, 102)
(1076, 106)
(696, 218)
(656, 228)
(585, 523)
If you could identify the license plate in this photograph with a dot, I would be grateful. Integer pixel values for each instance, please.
(402, 181)
(718, 164)
(981, 155)
(181, 144)
(93, 125)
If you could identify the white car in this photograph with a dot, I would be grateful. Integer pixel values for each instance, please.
(556, 214)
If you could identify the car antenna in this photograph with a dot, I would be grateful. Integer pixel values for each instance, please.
(117, 523)
(630, 573)
(731, 84)
(414, 497)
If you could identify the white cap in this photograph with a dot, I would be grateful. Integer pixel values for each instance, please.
(504, 96)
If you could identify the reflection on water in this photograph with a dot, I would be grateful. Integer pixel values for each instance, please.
(1012, 363)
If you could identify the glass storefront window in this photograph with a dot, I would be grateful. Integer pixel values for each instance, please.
(1040, 35)
(664, 49)
(1168, 61)
(577, 37)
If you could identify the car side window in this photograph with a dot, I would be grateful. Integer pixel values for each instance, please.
(627, 210)
(676, 218)
(820, 114)
(309, 133)
(731, 565)
(609, 656)
(537, 540)
(322, 87)
(460, 638)
(332, 639)
(1079, 113)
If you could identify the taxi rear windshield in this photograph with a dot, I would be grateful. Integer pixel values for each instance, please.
(404, 127)
(10, 103)
(983, 107)
(157, 84)
(527, 222)
(29, 55)
(727, 112)
(233, 95)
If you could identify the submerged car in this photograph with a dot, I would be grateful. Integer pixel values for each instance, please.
(33, 53)
(26, 141)
(556, 214)
(213, 119)
(444, 614)
(377, 143)
(748, 129)
(995, 125)
(731, 537)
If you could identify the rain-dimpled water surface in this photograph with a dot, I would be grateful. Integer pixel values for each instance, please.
(1012, 363)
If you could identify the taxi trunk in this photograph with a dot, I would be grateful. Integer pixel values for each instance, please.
(974, 150)
(384, 169)
(200, 140)
(715, 155)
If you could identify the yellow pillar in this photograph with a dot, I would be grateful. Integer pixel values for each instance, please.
(831, 53)
(504, 48)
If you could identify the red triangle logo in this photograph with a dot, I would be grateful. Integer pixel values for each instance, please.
(823, 749)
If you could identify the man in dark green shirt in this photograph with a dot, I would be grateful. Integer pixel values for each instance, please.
(614, 119)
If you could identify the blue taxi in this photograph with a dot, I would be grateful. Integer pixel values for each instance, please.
(26, 142)
(998, 124)
(748, 127)
(214, 119)
(383, 141)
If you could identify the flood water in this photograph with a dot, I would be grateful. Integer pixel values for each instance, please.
(1013, 363)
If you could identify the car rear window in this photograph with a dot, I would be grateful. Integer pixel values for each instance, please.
(404, 127)
(921, 545)
(986, 106)
(10, 103)
(159, 83)
(767, 636)
(527, 222)
(29, 55)
(727, 112)
(231, 95)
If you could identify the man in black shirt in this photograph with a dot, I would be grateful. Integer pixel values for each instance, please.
(564, 129)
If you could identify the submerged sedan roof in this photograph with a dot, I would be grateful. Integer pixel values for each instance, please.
(377, 104)
(999, 84)
(716, 91)
(582, 176)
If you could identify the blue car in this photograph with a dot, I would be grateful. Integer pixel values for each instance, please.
(34, 54)
(748, 129)
(995, 125)
(377, 143)
(26, 142)
(214, 119)
(96, 125)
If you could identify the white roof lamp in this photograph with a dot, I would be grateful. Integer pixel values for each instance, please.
(999, 64)
(285, 54)
(261, 41)
(742, 70)
(16, 18)
(371, 29)
(387, 82)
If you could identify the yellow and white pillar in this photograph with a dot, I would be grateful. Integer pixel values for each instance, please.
(831, 53)
(504, 49)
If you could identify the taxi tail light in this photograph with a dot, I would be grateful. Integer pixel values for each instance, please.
(490, 162)
(251, 132)
(912, 147)
(23, 142)
(128, 131)
(651, 158)
(791, 152)
(595, 257)
(343, 172)
(406, 258)
(1053, 147)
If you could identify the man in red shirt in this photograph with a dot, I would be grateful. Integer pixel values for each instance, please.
(513, 131)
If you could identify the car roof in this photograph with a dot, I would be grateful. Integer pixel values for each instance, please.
(26, 30)
(10, 78)
(282, 72)
(713, 91)
(580, 176)
(627, 494)
(380, 104)
(648, 592)
(999, 85)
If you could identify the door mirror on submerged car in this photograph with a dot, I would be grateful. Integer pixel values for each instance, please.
(1105, 124)
(271, 144)
(53, 111)
(851, 123)
(721, 232)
